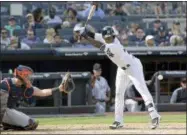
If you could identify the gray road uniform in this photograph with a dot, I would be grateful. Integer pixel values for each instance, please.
(99, 93)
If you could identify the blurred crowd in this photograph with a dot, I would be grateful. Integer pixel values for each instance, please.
(59, 25)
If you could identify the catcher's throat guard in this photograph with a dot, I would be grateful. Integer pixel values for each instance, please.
(68, 83)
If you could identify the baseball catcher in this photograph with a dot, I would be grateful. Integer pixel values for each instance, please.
(18, 87)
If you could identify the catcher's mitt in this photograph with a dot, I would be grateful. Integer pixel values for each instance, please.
(68, 83)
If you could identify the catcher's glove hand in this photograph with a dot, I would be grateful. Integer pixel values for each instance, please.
(67, 85)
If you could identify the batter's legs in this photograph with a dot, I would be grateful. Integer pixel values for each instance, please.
(122, 82)
(136, 75)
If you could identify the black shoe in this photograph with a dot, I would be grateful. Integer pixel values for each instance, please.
(116, 125)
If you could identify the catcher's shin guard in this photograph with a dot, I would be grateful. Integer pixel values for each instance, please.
(16, 120)
(31, 126)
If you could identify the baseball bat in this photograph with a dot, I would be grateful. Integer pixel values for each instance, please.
(92, 10)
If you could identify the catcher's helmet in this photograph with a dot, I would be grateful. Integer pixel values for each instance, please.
(108, 31)
(24, 73)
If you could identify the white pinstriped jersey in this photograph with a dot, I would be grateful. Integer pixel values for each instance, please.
(115, 52)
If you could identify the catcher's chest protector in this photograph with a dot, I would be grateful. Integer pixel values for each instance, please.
(16, 93)
(9, 99)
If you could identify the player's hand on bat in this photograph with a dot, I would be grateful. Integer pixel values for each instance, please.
(83, 32)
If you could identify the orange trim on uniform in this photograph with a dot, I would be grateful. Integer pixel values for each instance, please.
(8, 85)
(25, 95)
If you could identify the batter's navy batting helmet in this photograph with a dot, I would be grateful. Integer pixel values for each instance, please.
(24, 73)
(107, 31)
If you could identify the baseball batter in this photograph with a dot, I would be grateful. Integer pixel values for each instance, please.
(129, 68)
(12, 90)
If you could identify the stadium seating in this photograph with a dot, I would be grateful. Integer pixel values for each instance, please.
(19, 32)
(65, 32)
(40, 32)
(98, 25)
(46, 45)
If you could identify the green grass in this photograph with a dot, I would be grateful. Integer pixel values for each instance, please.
(177, 118)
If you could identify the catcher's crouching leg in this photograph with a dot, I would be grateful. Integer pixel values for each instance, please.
(16, 120)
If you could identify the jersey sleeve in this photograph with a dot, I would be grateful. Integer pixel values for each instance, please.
(99, 37)
(28, 93)
(4, 86)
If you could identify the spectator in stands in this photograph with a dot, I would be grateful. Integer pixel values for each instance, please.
(5, 40)
(154, 31)
(98, 11)
(176, 29)
(158, 10)
(162, 39)
(116, 27)
(31, 23)
(180, 94)
(123, 37)
(50, 34)
(52, 17)
(38, 16)
(120, 10)
(100, 89)
(139, 37)
(14, 44)
(12, 25)
(70, 18)
(149, 41)
(59, 40)
(176, 34)
(31, 38)
(175, 6)
(132, 29)
(163, 7)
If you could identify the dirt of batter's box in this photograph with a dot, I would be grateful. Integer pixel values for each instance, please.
(129, 128)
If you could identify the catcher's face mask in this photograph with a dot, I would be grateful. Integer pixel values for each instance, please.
(24, 73)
